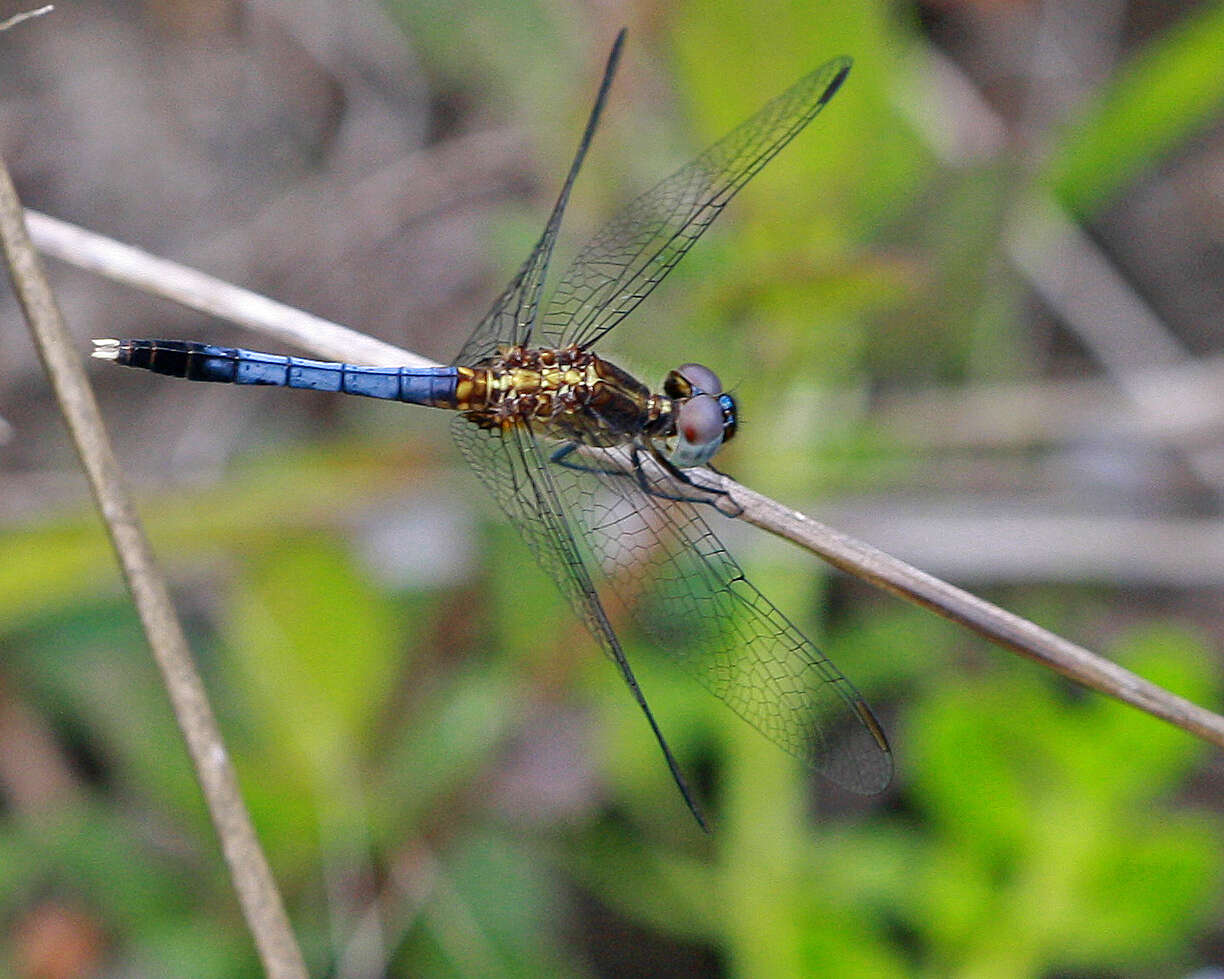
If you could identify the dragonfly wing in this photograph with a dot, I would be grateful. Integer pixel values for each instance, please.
(661, 564)
(512, 467)
(513, 315)
(632, 254)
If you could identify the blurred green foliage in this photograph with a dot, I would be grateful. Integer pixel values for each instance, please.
(1041, 830)
(1033, 830)
(1164, 96)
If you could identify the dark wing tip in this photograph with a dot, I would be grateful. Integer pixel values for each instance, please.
(844, 63)
(864, 763)
(853, 751)
(615, 54)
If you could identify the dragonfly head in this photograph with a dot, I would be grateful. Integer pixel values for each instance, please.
(705, 415)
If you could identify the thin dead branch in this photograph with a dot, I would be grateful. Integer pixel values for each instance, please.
(261, 903)
(996, 624)
(198, 291)
(23, 16)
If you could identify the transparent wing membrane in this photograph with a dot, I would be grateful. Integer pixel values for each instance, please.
(513, 315)
(657, 561)
(630, 547)
(513, 469)
(633, 253)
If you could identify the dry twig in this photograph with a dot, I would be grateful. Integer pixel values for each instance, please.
(23, 16)
(261, 903)
(996, 624)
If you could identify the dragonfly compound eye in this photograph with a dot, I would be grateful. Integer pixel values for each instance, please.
(704, 380)
(699, 431)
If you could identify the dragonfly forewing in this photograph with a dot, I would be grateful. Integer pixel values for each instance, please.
(635, 250)
(513, 315)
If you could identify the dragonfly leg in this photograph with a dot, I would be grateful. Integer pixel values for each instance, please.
(732, 509)
(719, 499)
(562, 458)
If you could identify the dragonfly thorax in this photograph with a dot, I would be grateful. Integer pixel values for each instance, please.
(573, 394)
(588, 398)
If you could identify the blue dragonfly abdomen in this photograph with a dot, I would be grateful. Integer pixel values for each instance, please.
(432, 386)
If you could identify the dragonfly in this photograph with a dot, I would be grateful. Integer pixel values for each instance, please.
(598, 472)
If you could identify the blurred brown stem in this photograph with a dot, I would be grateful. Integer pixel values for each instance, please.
(249, 871)
(183, 285)
(996, 624)
(207, 294)
(25, 15)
